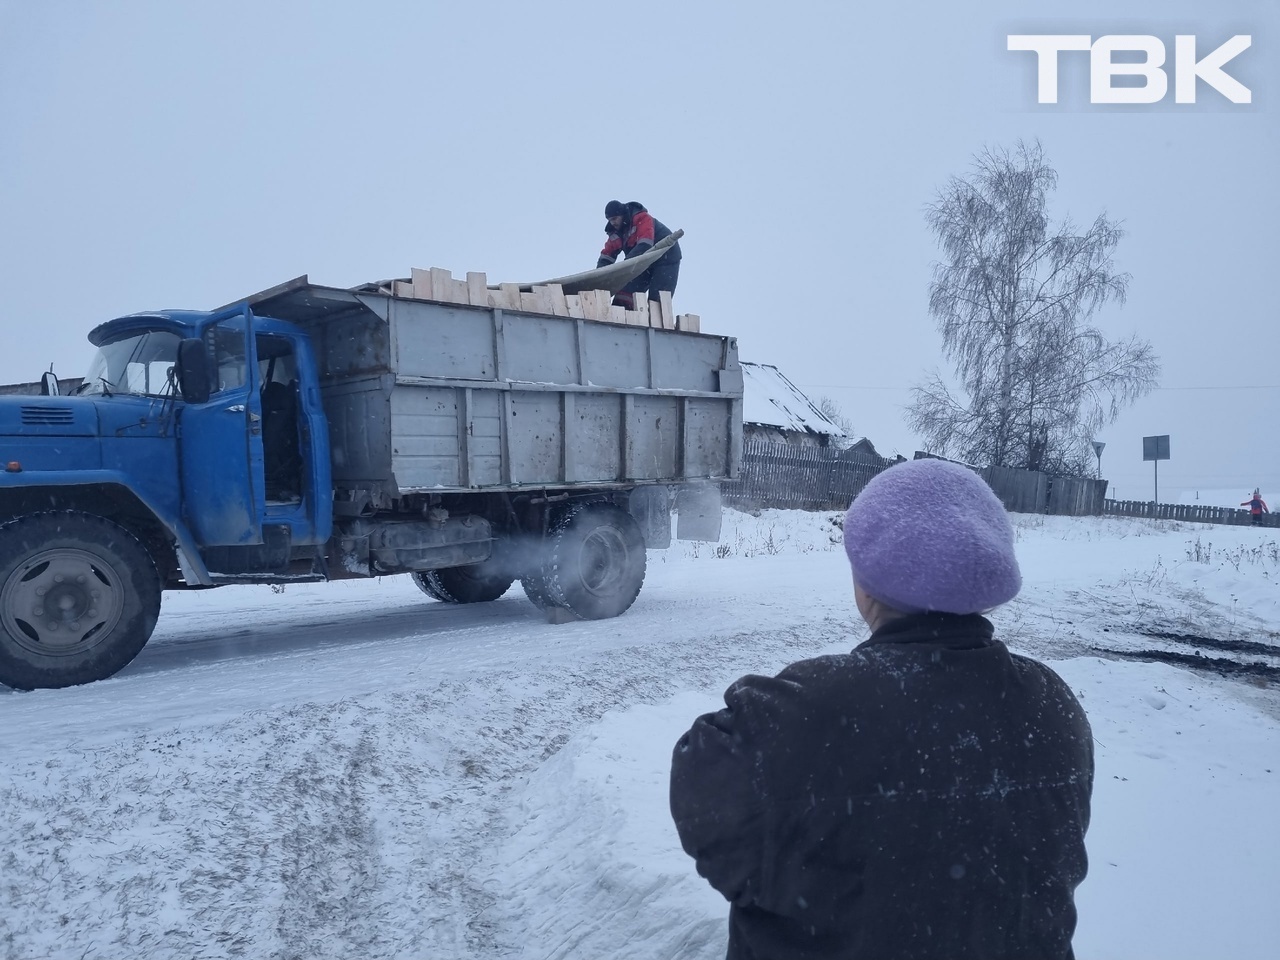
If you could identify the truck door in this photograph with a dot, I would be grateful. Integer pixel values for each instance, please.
(221, 440)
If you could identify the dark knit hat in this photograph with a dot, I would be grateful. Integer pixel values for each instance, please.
(615, 208)
(929, 535)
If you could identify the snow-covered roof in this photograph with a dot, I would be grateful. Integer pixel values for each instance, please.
(770, 399)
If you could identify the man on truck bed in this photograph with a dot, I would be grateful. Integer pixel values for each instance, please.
(632, 230)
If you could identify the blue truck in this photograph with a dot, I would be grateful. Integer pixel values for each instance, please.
(313, 433)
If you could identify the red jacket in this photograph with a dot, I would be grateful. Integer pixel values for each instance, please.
(1256, 506)
(636, 237)
(639, 234)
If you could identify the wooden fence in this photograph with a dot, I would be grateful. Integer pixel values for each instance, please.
(789, 477)
(1030, 491)
(1193, 513)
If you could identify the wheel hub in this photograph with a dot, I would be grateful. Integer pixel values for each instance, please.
(603, 560)
(60, 601)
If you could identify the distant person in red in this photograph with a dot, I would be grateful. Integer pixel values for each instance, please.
(1257, 507)
(632, 230)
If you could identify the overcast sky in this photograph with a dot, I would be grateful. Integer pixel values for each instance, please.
(160, 154)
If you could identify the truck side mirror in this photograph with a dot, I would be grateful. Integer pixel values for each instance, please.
(49, 384)
(193, 371)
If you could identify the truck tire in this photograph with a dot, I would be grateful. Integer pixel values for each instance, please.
(596, 561)
(469, 584)
(535, 588)
(79, 597)
(427, 585)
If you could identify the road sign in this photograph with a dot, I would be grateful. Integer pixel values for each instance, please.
(1157, 449)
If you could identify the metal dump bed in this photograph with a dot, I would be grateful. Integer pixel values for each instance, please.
(424, 396)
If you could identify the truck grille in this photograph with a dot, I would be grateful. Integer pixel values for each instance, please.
(47, 416)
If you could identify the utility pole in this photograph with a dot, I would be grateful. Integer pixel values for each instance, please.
(1155, 449)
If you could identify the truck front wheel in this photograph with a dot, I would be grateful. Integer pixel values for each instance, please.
(596, 561)
(79, 597)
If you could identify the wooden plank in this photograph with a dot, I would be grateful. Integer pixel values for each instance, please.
(688, 322)
(477, 295)
(617, 314)
(556, 299)
(543, 296)
(402, 288)
(638, 318)
(590, 300)
(421, 283)
(529, 303)
(655, 314)
(459, 292)
(441, 284)
(510, 298)
(668, 313)
(574, 306)
(602, 299)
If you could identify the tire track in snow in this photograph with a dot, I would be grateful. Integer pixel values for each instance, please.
(364, 826)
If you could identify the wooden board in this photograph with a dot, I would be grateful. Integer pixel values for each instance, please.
(421, 283)
(555, 295)
(668, 312)
(441, 284)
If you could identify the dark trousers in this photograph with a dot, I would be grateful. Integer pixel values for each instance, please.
(661, 276)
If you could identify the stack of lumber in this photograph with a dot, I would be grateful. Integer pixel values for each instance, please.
(438, 284)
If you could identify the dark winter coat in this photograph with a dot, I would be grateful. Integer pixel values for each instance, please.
(638, 233)
(924, 796)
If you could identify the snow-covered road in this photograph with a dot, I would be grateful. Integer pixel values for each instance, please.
(352, 769)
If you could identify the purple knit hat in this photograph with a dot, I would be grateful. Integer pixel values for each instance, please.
(929, 535)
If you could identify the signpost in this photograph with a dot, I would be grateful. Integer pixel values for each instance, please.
(1097, 450)
(1155, 449)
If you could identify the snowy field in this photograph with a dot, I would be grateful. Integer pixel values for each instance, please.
(353, 770)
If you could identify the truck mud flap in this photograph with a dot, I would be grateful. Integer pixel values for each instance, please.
(651, 508)
(698, 512)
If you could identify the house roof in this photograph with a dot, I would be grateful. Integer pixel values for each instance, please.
(769, 399)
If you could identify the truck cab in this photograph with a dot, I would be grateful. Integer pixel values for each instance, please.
(131, 480)
(245, 463)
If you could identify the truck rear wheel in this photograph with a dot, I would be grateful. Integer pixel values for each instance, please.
(476, 583)
(596, 561)
(535, 588)
(79, 597)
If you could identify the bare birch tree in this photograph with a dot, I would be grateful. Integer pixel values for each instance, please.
(831, 410)
(1012, 297)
